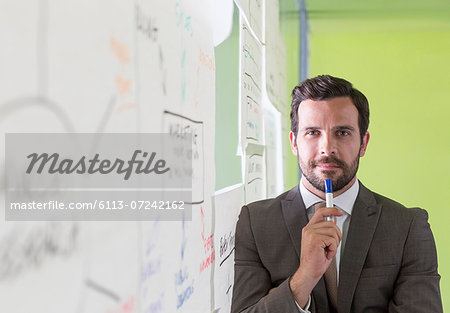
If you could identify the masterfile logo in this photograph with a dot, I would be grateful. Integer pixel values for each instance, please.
(98, 176)
(99, 160)
(54, 164)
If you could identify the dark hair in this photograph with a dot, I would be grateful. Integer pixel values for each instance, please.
(325, 87)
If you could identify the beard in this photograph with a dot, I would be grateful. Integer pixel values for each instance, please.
(348, 172)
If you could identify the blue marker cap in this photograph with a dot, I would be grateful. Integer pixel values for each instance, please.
(328, 186)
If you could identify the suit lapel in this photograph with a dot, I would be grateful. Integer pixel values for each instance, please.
(363, 223)
(294, 214)
(295, 217)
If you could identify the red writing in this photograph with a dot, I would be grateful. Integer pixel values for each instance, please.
(208, 246)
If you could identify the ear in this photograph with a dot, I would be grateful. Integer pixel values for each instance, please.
(292, 139)
(365, 141)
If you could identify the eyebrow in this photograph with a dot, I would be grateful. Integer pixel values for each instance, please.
(343, 127)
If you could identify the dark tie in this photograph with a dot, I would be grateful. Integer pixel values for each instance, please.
(331, 273)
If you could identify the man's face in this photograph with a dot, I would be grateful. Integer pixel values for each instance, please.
(328, 143)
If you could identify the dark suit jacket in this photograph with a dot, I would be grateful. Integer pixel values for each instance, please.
(389, 263)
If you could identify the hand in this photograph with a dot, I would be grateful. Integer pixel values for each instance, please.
(320, 241)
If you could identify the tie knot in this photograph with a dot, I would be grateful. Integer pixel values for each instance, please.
(318, 205)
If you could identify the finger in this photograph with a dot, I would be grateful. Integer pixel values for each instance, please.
(317, 235)
(323, 237)
(329, 246)
(323, 227)
(330, 254)
(322, 212)
(326, 229)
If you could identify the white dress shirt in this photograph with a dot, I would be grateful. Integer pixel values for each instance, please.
(345, 202)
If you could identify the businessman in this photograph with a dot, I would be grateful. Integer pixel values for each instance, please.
(376, 256)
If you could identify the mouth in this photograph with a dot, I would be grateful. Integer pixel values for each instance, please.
(328, 166)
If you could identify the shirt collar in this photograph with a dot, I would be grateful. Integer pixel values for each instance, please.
(344, 201)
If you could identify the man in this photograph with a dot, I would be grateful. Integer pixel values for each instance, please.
(377, 255)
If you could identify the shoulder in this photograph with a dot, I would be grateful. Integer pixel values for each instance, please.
(395, 210)
(271, 207)
(266, 213)
(398, 227)
(268, 204)
(389, 204)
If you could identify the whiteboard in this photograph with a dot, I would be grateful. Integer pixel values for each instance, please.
(118, 67)
(132, 67)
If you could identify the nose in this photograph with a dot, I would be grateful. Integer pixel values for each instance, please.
(327, 145)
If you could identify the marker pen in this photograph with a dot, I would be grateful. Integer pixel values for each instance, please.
(329, 197)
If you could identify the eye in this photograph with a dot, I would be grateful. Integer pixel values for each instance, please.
(343, 133)
(312, 132)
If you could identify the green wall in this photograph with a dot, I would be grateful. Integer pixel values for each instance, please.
(228, 164)
(289, 25)
(402, 67)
